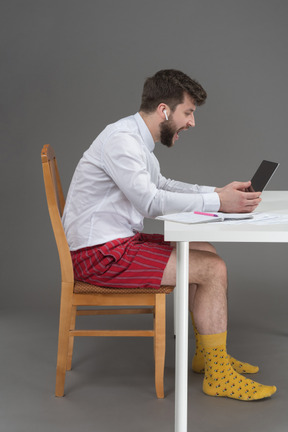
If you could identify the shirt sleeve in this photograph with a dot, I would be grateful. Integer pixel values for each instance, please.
(124, 161)
(181, 187)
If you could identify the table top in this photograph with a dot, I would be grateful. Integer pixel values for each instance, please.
(272, 202)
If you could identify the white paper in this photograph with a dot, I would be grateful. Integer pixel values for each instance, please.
(193, 218)
(263, 219)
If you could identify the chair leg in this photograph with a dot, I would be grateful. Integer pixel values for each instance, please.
(71, 338)
(63, 341)
(160, 343)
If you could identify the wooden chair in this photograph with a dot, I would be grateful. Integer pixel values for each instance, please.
(75, 294)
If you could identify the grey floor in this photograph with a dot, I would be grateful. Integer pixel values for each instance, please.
(111, 386)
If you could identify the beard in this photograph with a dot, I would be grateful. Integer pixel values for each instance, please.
(167, 132)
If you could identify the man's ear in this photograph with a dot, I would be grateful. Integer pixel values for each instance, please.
(163, 111)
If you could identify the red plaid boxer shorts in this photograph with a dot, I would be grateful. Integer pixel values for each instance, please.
(132, 262)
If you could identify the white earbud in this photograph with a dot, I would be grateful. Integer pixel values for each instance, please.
(165, 112)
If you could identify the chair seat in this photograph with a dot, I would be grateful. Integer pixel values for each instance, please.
(85, 288)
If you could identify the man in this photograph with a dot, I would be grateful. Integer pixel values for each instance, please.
(117, 183)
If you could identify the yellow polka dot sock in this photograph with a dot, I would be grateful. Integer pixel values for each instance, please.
(198, 363)
(221, 379)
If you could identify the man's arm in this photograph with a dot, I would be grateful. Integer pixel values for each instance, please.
(124, 161)
(234, 197)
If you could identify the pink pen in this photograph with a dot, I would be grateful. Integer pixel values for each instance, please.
(206, 214)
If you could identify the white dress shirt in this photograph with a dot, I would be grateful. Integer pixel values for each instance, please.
(118, 182)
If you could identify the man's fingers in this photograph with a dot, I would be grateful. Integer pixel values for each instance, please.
(252, 195)
(241, 185)
(252, 203)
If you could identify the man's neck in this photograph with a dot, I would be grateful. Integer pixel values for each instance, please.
(152, 122)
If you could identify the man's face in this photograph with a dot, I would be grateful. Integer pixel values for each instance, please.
(181, 119)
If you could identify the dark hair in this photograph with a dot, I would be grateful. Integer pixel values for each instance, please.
(168, 86)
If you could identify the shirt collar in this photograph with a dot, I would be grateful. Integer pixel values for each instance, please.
(145, 133)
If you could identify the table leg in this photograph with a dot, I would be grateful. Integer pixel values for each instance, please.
(181, 361)
(175, 309)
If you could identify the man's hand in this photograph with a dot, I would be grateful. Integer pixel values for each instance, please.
(235, 199)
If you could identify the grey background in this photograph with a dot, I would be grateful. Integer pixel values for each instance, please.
(67, 69)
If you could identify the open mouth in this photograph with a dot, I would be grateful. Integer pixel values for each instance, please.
(178, 131)
(176, 136)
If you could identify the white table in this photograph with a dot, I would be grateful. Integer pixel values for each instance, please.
(182, 234)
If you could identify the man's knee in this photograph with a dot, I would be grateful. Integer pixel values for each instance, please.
(218, 269)
(210, 267)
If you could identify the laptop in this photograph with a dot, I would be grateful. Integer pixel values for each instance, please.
(263, 175)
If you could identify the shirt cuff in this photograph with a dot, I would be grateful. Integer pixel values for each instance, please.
(206, 189)
(211, 202)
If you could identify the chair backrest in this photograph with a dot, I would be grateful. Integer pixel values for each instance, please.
(56, 202)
